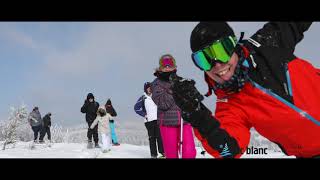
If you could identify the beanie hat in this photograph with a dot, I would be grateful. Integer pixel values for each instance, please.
(90, 96)
(146, 86)
(108, 102)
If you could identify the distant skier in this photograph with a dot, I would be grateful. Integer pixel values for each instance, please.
(102, 121)
(46, 127)
(113, 113)
(259, 83)
(35, 122)
(146, 108)
(90, 108)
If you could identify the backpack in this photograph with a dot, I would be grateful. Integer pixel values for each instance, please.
(139, 107)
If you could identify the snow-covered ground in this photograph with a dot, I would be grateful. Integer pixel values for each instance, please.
(79, 150)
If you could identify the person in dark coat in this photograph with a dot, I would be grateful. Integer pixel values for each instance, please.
(90, 108)
(46, 122)
(35, 122)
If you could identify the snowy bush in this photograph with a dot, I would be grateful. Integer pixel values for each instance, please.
(9, 130)
(75, 135)
(57, 134)
(25, 133)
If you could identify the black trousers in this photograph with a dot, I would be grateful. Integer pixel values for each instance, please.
(154, 137)
(44, 131)
(36, 131)
(93, 133)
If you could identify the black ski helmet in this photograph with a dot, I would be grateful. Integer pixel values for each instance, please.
(207, 32)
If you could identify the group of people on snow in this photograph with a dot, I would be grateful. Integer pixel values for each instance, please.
(100, 119)
(40, 126)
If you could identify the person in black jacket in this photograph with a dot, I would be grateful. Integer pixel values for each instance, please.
(113, 113)
(90, 108)
(46, 124)
(110, 108)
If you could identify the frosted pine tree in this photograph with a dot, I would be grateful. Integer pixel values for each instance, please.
(57, 134)
(17, 118)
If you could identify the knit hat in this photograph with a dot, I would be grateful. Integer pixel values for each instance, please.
(90, 96)
(108, 102)
(146, 86)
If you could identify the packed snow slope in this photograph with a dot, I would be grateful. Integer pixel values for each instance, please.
(79, 150)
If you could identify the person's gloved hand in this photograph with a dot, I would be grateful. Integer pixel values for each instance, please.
(185, 94)
(187, 98)
(92, 127)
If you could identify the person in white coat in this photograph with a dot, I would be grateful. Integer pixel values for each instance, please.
(151, 123)
(102, 121)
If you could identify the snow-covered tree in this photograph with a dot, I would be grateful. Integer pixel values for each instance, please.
(17, 118)
(56, 133)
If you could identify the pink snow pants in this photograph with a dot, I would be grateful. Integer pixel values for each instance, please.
(171, 138)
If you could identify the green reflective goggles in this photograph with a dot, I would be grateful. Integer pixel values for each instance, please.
(219, 51)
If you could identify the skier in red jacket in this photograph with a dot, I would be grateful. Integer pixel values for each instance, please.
(259, 83)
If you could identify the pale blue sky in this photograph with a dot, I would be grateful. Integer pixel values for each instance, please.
(54, 65)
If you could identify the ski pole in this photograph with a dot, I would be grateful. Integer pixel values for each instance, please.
(181, 136)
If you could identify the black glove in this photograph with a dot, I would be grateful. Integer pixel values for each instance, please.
(185, 93)
(186, 96)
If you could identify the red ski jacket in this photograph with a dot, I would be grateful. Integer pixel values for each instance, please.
(281, 100)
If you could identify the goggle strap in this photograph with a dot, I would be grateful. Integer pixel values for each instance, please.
(232, 40)
(241, 37)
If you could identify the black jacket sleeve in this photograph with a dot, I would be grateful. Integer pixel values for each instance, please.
(97, 107)
(210, 129)
(49, 123)
(84, 108)
(281, 34)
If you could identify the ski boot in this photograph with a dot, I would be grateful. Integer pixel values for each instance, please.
(161, 156)
(90, 144)
(96, 145)
(106, 150)
(50, 143)
(115, 144)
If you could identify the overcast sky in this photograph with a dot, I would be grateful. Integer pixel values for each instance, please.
(54, 65)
